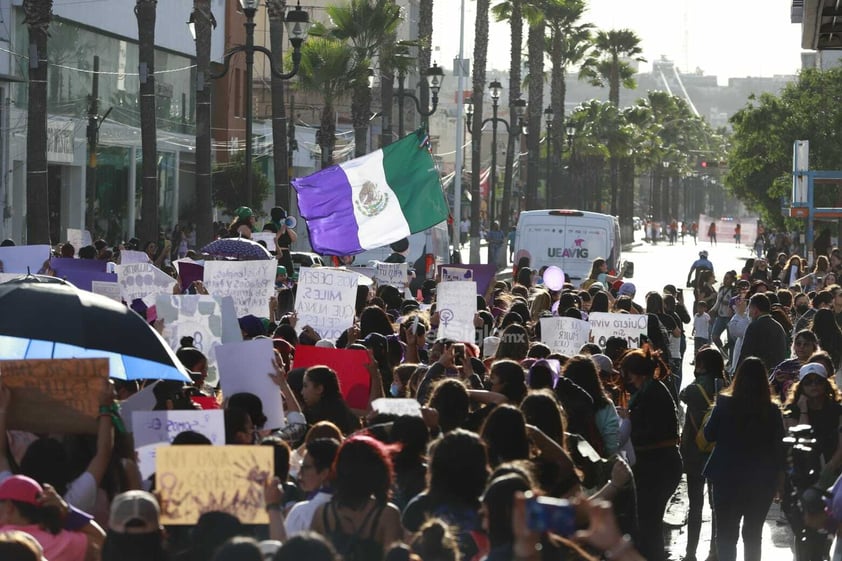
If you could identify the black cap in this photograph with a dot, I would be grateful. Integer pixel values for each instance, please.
(400, 246)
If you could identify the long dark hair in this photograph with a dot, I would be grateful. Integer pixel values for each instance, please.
(504, 431)
(644, 362)
(830, 336)
(582, 370)
(752, 395)
(331, 406)
(362, 468)
(462, 486)
(133, 547)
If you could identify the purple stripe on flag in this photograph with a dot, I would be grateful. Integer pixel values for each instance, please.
(325, 202)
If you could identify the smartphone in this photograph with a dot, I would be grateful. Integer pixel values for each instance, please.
(549, 514)
(458, 354)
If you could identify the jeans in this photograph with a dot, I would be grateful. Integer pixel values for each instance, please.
(696, 498)
(749, 503)
(656, 474)
(720, 325)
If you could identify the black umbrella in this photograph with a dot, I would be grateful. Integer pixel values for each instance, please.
(46, 317)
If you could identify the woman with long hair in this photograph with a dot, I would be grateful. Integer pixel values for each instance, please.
(829, 335)
(514, 343)
(654, 435)
(243, 224)
(599, 273)
(786, 373)
(746, 466)
(359, 519)
(324, 402)
(581, 370)
(709, 372)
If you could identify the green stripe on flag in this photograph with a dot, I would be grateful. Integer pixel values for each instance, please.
(412, 175)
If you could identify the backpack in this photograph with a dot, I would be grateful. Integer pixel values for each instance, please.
(702, 443)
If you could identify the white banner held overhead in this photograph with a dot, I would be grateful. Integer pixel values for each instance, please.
(392, 274)
(325, 300)
(627, 326)
(245, 367)
(250, 283)
(457, 306)
(565, 335)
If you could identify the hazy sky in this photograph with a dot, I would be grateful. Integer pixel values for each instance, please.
(725, 38)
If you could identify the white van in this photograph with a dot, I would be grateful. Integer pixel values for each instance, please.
(568, 239)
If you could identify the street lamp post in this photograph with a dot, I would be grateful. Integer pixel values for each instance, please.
(496, 89)
(570, 132)
(298, 24)
(434, 76)
(548, 116)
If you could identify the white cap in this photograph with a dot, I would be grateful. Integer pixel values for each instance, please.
(489, 346)
(812, 368)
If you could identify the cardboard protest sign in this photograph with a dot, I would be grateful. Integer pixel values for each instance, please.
(629, 327)
(194, 480)
(325, 300)
(154, 427)
(58, 396)
(143, 281)
(209, 320)
(245, 367)
(250, 283)
(456, 274)
(457, 306)
(392, 274)
(267, 237)
(109, 289)
(144, 400)
(349, 365)
(482, 274)
(366, 277)
(78, 238)
(188, 272)
(128, 257)
(82, 273)
(397, 406)
(24, 258)
(565, 335)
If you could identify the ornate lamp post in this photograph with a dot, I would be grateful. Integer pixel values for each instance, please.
(435, 77)
(548, 116)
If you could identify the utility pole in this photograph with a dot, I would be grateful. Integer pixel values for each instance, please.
(203, 21)
(92, 133)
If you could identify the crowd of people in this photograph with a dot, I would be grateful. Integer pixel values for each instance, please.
(519, 451)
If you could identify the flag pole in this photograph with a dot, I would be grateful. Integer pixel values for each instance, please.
(457, 179)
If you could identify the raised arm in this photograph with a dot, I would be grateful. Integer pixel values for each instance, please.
(105, 434)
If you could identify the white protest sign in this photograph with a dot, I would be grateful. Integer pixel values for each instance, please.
(392, 274)
(155, 427)
(250, 283)
(144, 400)
(627, 326)
(108, 289)
(456, 274)
(128, 256)
(23, 258)
(325, 300)
(245, 367)
(78, 238)
(267, 237)
(144, 281)
(397, 406)
(565, 335)
(457, 306)
(209, 320)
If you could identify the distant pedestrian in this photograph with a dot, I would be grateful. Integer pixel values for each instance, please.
(712, 233)
(495, 242)
(694, 231)
(701, 326)
(738, 230)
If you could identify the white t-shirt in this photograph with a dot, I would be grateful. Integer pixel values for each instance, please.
(300, 517)
(701, 325)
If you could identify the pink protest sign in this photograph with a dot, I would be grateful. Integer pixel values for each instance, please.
(349, 365)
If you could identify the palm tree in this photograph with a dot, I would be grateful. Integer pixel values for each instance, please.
(327, 68)
(569, 43)
(275, 10)
(145, 12)
(480, 59)
(203, 20)
(367, 25)
(511, 10)
(609, 66)
(37, 15)
(425, 43)
(535, 51)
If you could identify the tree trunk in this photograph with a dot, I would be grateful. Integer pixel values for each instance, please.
(204, 200)
(38, 14)
(360, 113)
(535, 47)
(516, 27)
(425, 39)
(561, 194)
(387, 87)
(275, 10)
(480, 59)
(145, 13)
(326, 135)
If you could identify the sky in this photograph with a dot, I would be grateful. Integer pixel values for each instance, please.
(723, 38)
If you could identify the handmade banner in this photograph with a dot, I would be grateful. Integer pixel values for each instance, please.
(266, 237)
(194, 480)
(350, 368)
(154, 429)
(188, 272)
(456, 274)
(78, 238)
(627, 326)
(129, 257)
(250, 283)
(110, 289)
(209, 320)
(24, 258)
(392, 274)
(143, 281)
(325, 300)
(457, 306)
(481, 274)
(244, 367)
(54, 396)
(565, 335)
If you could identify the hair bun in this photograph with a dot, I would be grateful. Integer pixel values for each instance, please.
(186, 341)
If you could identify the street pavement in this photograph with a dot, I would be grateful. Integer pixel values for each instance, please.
(655, 266)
